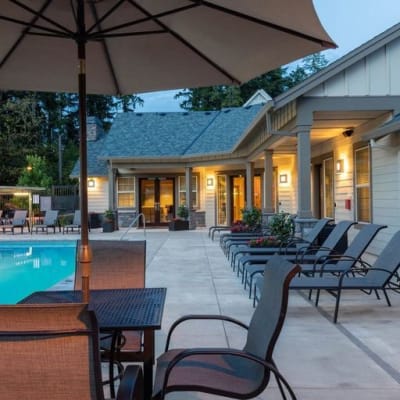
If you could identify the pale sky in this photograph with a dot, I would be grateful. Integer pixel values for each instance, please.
(349, 23)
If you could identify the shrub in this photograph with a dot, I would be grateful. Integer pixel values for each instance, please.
(252, 217)
(183, 212)
(282, 226)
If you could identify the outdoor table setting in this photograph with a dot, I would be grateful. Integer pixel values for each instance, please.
(117, 310)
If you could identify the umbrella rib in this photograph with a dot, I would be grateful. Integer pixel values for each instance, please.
(149, 17)
(106, 51)
(189, 45)
(22, 35)
(39, 14)
(289, 31)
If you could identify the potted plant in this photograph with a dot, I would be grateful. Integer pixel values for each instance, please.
(268, 241)
(108, 221)
(181, 222)
(282, 226)
(250, 222)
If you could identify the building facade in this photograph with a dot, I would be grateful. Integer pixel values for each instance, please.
(328, 147)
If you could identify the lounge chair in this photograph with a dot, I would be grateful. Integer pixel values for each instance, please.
(50, 221)
(76, 223)
(50, 352)
(236, 373)
(18, 221)
(251, 264)
(118, 265)
(335, 263)
(292, 247)
(383, 275)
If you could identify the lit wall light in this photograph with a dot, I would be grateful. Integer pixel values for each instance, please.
(91, 183)
(210, 183)
(339, 166)
(283, 178)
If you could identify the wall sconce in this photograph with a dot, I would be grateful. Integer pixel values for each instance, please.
(210, 183)
(283, 178)
(91, 183)
(340, 166)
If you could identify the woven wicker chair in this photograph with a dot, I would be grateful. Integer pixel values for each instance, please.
(50, 352)
(118, 265)
(241, 374)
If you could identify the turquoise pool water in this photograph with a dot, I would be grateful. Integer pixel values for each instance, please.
(26, 267)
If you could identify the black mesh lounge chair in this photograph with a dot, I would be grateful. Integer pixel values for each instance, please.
(18, 221)
(50, 221)
(118, 265)
(335, 263)
(233, 373)
(292, 247)
(249, 265)
(76, 223)
(383, 275)
(50, 352)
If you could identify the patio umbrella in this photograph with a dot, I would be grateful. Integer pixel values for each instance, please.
(131, 46)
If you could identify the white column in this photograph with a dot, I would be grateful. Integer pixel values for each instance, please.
(249, 184)
(189, 202)
(304, 172)
(268, 201)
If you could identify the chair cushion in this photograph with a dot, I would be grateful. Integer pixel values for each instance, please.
(220, 374)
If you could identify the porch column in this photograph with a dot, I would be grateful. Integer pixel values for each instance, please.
(304, 172)
(268, 201)
(189, 202)
(112, 174)
(249, 184)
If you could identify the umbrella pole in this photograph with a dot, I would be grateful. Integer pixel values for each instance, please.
(85, 256)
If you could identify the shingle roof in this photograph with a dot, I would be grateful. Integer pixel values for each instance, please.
(172, 134)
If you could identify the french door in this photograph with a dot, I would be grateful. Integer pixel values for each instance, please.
(157, 200)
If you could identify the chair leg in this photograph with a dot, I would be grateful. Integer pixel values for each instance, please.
(282, 382)
(386, 297)
(337, 305)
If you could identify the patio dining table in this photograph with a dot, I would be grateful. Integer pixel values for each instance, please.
(117, 310)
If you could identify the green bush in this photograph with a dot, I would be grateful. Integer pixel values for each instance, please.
(281, 226)
(183, 212)
(251, 217)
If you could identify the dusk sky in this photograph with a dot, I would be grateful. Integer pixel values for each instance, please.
(350, 23)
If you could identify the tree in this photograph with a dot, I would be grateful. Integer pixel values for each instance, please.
(274, 83)
(21, 130)
(31, 123)
(35, 173)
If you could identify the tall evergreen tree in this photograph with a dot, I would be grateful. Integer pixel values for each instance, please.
(274, 83)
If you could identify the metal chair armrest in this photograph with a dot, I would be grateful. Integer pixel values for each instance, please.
(191, 317)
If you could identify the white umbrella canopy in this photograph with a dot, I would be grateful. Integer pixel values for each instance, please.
(131, 46)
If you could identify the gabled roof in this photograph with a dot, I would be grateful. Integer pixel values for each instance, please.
(96, 165)
(173, 134)
(387, 128)
(338, 66)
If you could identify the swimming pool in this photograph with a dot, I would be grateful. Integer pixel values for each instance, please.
(26, 267)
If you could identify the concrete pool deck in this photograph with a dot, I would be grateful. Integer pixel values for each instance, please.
(358, 358)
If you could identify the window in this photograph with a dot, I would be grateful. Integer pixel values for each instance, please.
(362, 184)
(182, 191)
(126, 192)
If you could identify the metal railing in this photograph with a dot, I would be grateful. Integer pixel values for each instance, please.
(136, 221)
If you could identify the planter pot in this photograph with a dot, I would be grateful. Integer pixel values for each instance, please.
(178, 225)
(108, 226)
